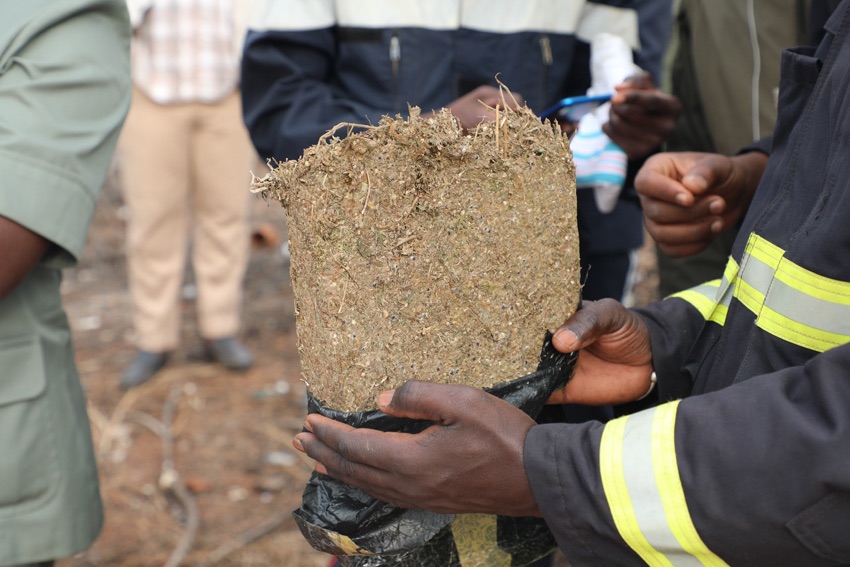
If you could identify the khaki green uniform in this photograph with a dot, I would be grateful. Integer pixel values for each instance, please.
(64, 92)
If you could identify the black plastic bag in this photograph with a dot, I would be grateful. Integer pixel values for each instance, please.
(341, 520)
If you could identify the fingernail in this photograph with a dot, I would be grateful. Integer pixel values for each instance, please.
(716, 206)
(716, 227)
(321, 469)
(697, 181)
(385, 399)
(296, 442)
(308, 427)
(682, 199)
(565, 340)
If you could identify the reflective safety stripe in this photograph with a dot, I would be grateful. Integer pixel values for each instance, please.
(702, 297)
(640, 477)
(789, 301)
(600, 18)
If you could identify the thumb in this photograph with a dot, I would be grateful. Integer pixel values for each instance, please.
(425, 400)
(705, 174)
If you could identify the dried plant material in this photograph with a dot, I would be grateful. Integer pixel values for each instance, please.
(422, 253)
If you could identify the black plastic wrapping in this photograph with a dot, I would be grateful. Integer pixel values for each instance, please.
(342, 520)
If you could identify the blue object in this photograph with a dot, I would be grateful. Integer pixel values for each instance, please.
(573, 108)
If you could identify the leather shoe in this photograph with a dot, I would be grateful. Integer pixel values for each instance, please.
(142, 368)
(230, 353)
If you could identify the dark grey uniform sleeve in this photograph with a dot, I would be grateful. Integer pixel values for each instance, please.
(751, 475)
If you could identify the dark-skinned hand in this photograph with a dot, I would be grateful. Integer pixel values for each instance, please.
(641, 116)
(469, 461)
(480, 104)
(689, 198)
(615, 361)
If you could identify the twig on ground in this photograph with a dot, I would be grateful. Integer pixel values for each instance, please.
(169, 479)
(248, 537)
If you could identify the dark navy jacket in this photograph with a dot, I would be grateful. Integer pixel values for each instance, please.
(311, 64)
(747, 461)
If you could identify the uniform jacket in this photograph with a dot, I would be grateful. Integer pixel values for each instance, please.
(311, 64)
(64, 91)
(747, 461)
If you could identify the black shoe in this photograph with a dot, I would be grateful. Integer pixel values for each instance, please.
(143, 368)
(230, 353)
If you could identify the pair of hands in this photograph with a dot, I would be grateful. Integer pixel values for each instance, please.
(641, 116)
(688, 198)
(471, 459)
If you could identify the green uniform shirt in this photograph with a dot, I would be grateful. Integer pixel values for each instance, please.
(64, 92)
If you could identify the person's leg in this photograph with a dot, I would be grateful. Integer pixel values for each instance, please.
(222, 157)
(154, 164)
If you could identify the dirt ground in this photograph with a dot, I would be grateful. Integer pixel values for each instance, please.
(230, 433)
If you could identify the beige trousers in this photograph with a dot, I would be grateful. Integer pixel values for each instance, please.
(186, 177)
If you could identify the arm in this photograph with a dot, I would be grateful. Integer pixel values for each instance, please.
(698, 479)
(750, 474)
(62, 112)
(20, 250)
(287, 97)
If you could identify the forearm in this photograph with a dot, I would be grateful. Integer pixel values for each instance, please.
(20, 251)
(708, 477)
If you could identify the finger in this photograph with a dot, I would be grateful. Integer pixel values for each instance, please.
(374, 481)
(707, 174)
(440, 403)
(659, 186)
(641, 80)
(594, 319)
(640, 126)
(368, 447)
(666, 213)
(686, 234)
(647, 102)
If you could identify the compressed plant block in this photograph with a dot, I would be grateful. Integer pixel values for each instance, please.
(420, 252)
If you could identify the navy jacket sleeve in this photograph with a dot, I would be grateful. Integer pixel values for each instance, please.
(288, 94)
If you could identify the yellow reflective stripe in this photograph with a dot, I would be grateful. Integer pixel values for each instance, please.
(749, 296)
(763, 250)
(640, 478)
(790, 302)
(617, 493)
(718, 315)
(476, 540)
(666, 467)
(813, 284)
(797, 333)
(698, 300)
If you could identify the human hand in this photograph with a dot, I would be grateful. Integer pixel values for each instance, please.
(469, 461)
(480, 104)
(615, 359)
(689, 198)
(641, 116)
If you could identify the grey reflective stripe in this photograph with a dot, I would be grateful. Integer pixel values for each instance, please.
(639, 471)
(790, 302)
(819, 314)
(643, 489)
